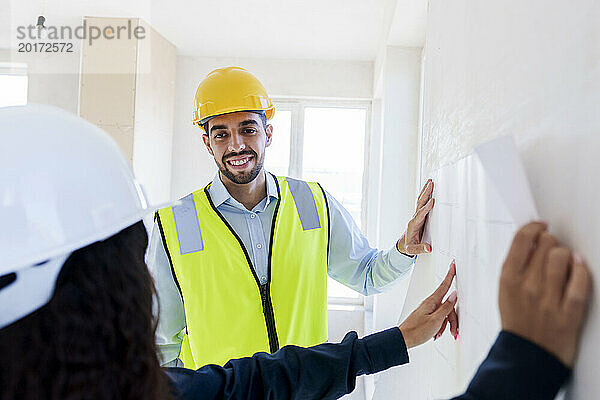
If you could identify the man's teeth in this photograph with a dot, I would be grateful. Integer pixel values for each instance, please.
(239, 162)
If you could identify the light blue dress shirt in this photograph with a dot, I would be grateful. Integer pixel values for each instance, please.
(352, 261)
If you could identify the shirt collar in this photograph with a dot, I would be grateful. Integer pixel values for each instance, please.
(219, 194)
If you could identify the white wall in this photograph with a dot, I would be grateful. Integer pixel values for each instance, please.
(128, 90)
(154, 113)
(193, 167)
(398, 88)
(531, 70)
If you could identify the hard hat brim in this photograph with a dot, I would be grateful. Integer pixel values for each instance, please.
(269, 113)
(8, 265)
(32, 288)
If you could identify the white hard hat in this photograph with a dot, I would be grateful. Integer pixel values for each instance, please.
(64, 184)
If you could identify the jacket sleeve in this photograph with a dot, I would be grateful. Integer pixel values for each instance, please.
(326, 371)
(516, 368)
(167, 304)
(352, 260)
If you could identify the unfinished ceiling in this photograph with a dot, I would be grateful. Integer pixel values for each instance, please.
(307, 29)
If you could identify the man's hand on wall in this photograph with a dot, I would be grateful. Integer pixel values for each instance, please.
(411, 242)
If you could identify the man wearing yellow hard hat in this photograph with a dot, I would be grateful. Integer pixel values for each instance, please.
(241, 265)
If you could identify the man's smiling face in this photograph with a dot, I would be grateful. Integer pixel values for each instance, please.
(237, 141)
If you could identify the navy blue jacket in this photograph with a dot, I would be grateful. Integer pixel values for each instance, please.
(514, 369)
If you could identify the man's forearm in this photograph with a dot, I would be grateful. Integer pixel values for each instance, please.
(385, 269)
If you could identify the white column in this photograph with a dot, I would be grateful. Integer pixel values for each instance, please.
(400, 91)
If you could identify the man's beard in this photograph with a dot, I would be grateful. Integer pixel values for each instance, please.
(245, 177)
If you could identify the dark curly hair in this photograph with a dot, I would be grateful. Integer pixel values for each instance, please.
(95, 338)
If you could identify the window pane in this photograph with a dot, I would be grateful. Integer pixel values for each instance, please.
(13, 90)
(333, 156)
(334, 153)
(277, 157)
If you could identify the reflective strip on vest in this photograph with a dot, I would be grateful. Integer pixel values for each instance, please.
(305, 204)
(188, 226)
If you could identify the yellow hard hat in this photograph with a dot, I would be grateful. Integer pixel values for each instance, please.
(227, 90)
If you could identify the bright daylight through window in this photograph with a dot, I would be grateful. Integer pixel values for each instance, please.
(278, 159)
(331, 152)
(13, 90)
(334, 156)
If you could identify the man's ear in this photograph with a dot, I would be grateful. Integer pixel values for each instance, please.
(269, 133)
(206, 140)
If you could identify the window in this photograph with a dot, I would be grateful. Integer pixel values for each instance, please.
(334, 153)
(278, 160)
(13, 90)
(324, 142)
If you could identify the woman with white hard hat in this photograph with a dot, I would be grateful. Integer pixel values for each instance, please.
(76, 298)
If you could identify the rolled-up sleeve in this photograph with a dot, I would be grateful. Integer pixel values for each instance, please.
(168, 305)
(354, 263)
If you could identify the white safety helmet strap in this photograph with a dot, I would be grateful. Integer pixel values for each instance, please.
(31, 289)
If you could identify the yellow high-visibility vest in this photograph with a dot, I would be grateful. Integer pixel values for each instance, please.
(229, 314)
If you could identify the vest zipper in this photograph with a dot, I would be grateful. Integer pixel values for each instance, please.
(269, 317)
(265, 290)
